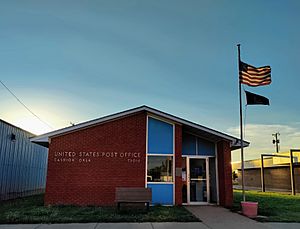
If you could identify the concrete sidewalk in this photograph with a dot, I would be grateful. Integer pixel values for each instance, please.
(283, 225)
(108, 226)
(239, 224)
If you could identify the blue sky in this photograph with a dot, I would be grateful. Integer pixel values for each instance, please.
(71, 61)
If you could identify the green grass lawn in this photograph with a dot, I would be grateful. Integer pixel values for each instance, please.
(32, 210)
(277, 207)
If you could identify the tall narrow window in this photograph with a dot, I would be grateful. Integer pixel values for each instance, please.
(160, 171)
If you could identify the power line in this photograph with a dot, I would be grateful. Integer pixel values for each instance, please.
(27, 108)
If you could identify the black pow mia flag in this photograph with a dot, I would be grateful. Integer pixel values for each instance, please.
(254, 99)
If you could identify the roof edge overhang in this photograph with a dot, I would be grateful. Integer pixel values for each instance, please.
(44, 138)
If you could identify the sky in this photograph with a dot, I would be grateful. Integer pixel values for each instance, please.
(72, 61)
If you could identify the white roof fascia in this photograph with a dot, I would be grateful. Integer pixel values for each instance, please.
(45, 137)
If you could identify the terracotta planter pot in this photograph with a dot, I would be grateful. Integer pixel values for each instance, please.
(249, 209)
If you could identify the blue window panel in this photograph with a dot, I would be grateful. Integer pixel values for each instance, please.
(188, 144)
(160, 137)
(162, 193)
(206, 148)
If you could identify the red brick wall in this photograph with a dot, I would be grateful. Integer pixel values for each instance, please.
(225, 174)
(94, 182)
(178, 164)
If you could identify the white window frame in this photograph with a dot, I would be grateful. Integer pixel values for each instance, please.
(172, 155)
(162, 182)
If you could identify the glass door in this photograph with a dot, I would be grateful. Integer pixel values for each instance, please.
(198, 192)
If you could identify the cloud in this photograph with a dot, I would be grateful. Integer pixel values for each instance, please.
(260, 137)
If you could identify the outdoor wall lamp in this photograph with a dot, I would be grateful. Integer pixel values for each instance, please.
(13, 137)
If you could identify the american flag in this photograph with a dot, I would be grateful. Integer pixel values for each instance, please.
(253, 76)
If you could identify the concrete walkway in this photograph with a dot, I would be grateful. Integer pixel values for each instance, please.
(220, 218)
(239, 224)
(283, 225)
(108, 226)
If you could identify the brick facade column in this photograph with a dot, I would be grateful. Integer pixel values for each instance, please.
(225, 174)
(178, 164)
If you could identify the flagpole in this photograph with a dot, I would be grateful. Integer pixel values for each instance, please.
(241, 125)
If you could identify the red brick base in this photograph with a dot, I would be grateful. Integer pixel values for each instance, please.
(178, 164)
(225, 174)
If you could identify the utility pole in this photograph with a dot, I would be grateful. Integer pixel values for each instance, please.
(276, 141)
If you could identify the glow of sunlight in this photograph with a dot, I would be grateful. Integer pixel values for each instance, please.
(32, 124)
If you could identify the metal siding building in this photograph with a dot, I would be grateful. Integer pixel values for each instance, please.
(277, 173)
(23, 165)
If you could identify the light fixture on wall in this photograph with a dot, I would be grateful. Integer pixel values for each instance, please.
(13, 137)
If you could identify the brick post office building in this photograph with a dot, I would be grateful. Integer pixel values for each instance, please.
(183, 162)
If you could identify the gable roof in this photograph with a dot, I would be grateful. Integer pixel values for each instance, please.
(191, 126)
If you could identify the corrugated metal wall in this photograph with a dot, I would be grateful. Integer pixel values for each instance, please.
(23, 164)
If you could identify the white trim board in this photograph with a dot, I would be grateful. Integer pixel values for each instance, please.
(44, 138)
